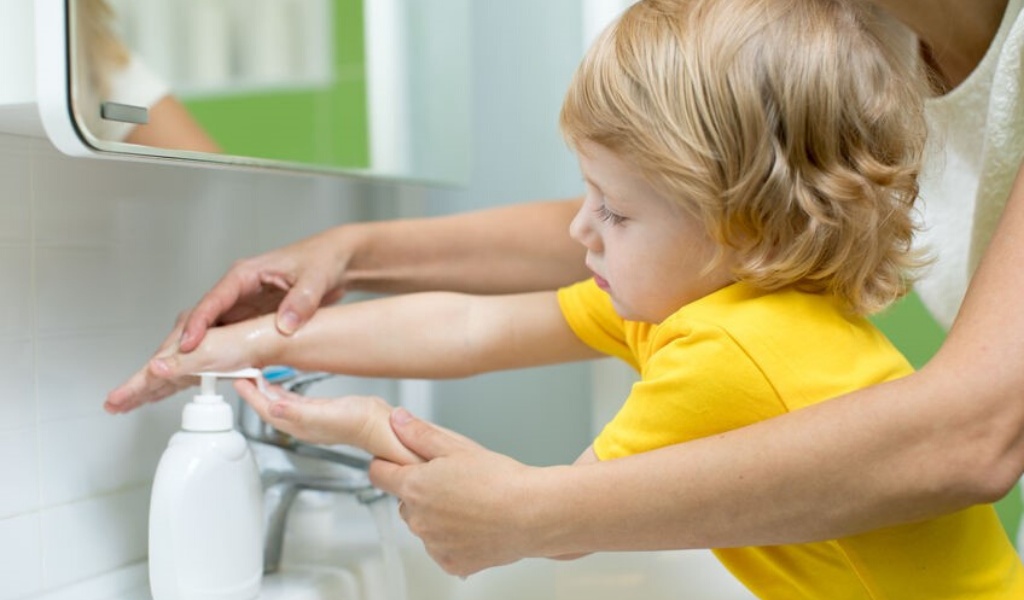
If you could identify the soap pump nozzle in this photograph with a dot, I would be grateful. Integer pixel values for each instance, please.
(208, 411)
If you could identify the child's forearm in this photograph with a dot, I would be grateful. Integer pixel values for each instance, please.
(429, 335)
(416, 335)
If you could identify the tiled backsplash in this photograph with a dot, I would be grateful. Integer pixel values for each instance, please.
(96, 259)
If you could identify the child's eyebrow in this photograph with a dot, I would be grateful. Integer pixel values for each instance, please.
(597, 186)
(608, 194)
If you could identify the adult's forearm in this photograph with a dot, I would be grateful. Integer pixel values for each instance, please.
(843, 467)
(510, 249)
(945, 438)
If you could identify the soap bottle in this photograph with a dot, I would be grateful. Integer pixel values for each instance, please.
(206, 509)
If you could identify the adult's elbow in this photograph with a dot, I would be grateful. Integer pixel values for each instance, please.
(993, 473)
(985, 448)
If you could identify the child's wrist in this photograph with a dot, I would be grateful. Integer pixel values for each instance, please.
(266, 342)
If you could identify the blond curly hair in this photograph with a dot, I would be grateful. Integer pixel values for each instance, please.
(793, 129)
(98, 50)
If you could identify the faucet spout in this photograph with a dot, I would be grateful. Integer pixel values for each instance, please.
(289, 484)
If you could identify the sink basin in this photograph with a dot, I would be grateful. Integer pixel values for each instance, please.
(310, 583)
(292, 583)
(351, 542)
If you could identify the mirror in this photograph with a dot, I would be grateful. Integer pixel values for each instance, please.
(365, 87)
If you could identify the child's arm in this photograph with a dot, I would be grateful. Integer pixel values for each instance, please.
(429, 335)
(360, 421)
(432, 335)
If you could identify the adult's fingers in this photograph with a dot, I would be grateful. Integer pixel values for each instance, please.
(302, 301)
(426, 439)
(242, 280)
(387, 476)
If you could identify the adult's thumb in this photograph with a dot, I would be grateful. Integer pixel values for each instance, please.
(298, 307)
(425, 439)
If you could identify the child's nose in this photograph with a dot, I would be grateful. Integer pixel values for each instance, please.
(580, 229)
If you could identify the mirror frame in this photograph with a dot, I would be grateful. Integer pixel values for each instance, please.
(54, 92)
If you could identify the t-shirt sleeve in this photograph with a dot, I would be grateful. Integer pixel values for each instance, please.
(589, 312)
(696, 383)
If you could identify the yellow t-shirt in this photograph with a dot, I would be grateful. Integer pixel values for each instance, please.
(738, 356)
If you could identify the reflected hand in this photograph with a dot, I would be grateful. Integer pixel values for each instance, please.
(464, 502)
(225, 349)
(293, 281)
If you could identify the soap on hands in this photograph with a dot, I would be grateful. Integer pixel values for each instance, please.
(360, 421)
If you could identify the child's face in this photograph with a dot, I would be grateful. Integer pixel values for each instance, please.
(646, 252)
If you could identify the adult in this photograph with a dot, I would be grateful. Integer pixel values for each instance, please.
(947, 437)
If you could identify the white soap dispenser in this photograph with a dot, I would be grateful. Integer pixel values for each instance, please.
(206, 510)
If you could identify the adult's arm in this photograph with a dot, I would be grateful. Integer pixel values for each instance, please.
(510, 249)
(945, 438)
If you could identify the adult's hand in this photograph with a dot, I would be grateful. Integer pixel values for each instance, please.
(294, 281)
(466, 502)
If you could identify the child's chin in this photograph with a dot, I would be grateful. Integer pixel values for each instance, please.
(624, 311)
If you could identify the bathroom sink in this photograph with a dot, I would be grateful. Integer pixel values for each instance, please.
(310, 583)
(293, 583)
(351, 544)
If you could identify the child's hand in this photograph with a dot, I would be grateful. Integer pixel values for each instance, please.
(360, 421)
(244, 344)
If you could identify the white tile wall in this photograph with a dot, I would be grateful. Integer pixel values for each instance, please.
(91, 536)
(16, 273)
(20, 473)
(20, 556)
(96, 260)
(17, 397)
(14, 173)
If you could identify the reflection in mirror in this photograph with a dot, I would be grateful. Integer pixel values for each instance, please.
(375, 87)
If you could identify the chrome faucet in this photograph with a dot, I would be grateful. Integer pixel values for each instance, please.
(290, 483)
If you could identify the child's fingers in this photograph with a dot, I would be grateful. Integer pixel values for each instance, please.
(248, 391)
(282, 409)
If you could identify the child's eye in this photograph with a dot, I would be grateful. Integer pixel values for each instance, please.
(608, 216)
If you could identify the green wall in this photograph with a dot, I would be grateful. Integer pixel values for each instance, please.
(918, 336)
(323, 126)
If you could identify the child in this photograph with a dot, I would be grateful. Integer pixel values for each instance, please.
(750, 169)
